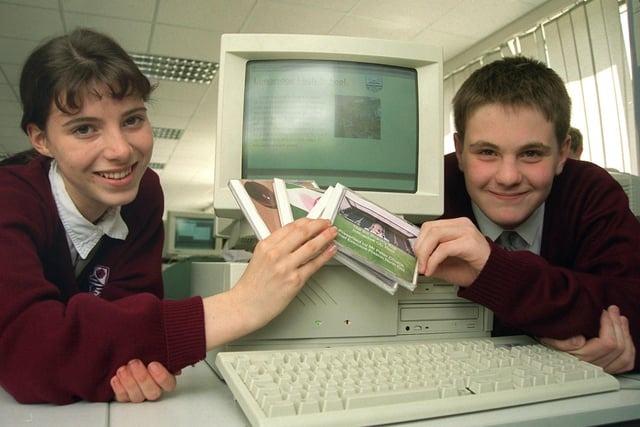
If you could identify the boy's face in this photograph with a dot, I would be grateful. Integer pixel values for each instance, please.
(509, 158)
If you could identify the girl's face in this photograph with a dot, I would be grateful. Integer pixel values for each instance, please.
(102, 150)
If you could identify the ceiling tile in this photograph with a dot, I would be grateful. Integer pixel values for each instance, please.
(198, 139)
(178, 91)
(163, 121)
(164, 147)
(47, 4)
(29, 23)
(203, 123)
(172, 108)
(412, 13)
(451, 44)
(12, 132)
(14, 145)
(132, 35)
(480, 18)
(220, 16)
(11, 120)
(185, 43)
(15, 51)
(6, 94)
(141, 10)
(9, 108)
(12, 73)
(357, 26)
(338, 5)
(272, 17)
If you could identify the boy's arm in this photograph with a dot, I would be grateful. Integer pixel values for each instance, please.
(526, 291)
(613, 349)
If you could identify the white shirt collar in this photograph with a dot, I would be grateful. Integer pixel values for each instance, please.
(530, 230)
(82, 234)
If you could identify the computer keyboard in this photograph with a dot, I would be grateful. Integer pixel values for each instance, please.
(377, 384)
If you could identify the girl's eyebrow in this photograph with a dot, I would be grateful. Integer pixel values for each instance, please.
(134, 110)
(81, 119)
(89, 119)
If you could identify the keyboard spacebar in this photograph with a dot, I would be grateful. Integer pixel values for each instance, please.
(381, 398)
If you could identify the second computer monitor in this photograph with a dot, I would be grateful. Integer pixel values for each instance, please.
(363, 112)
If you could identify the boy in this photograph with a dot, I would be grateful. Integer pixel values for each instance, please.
(577, 248)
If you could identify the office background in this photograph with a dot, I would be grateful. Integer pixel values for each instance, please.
(587, 42)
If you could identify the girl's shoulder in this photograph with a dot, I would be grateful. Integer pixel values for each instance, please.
(26, 181)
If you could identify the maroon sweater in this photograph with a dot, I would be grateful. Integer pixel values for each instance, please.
(58, 341)
(589, 258)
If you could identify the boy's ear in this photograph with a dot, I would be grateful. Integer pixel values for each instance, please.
(563, 155)
(459, 145)
(38, 139)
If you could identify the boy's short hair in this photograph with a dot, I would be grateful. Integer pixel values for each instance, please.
(515, 82)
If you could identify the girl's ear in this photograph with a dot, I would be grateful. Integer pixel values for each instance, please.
(38, 139)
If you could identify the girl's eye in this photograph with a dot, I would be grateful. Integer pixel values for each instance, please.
(83, 130)
(133, 121)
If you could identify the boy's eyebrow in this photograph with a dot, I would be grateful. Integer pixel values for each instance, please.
(483, 144)
(536, 146)
(85, 119)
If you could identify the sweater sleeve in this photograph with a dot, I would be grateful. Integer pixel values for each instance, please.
(592, 261)
(59, 350)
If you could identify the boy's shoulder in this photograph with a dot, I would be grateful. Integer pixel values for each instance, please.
(580, 174)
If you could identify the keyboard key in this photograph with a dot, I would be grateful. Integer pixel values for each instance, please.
(279, 409)
(376, 399)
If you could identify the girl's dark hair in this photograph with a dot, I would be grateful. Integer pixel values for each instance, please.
(64, 69)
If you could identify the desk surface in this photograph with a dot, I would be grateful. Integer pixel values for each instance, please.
(201, 399)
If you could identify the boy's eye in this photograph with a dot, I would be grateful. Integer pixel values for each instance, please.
(486, 152)
(532, 154)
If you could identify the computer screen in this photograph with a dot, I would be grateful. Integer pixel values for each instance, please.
(363, 112)
(191, 234)
(331, 121)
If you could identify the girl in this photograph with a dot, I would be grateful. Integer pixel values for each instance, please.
(81, 309)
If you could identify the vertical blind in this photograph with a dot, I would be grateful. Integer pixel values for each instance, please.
(586, 47)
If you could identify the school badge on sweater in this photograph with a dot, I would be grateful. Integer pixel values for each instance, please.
(97, 279)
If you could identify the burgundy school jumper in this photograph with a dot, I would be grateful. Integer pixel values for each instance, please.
(589, 259)
(59, 341)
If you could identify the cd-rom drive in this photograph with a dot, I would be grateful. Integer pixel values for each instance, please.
(439, 318)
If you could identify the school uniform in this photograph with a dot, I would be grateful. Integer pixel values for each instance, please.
(589, 258)
(71, 315)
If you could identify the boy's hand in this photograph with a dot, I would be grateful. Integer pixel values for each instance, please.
(136, 383)
(451, 249)
(612, 349)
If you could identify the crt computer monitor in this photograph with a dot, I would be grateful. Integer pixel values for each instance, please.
(363, 112)
(191, 234)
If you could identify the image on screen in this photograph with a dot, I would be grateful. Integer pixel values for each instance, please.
(331, 121)
(194, 233)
